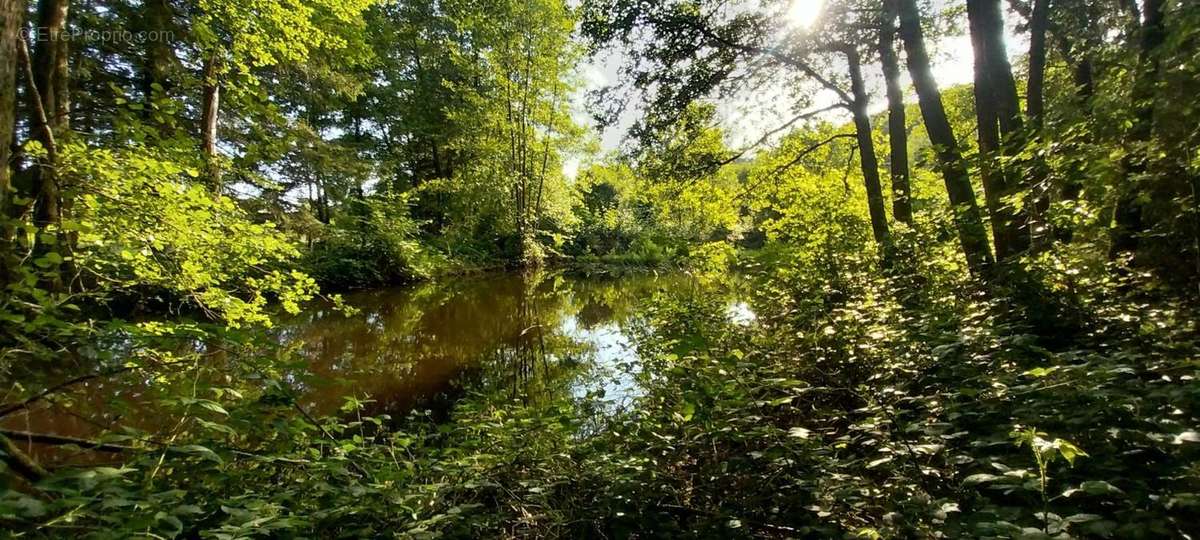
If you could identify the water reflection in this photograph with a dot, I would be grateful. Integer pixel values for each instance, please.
(509, 337)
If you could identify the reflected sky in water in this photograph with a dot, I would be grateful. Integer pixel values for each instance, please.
(504, 337)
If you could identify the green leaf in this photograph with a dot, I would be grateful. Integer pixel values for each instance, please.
(1041, 372)
(201, 451)
(799, 433)
(1069, 451)
(212, 406)
(981, 478)
(687, 410)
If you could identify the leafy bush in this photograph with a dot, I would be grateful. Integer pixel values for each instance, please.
(378, 244)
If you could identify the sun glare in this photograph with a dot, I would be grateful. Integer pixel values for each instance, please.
(804, 13)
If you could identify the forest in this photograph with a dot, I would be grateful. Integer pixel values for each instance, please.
(599, 269)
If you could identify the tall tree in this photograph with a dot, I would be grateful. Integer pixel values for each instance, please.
(159, 55)
(210, 115)
(869, 164)
(999, 119)
(897, 123)
(48, 93)
(12, 17)
(1035, 103)
(1035, 98)
(969, 222)
(692, 51)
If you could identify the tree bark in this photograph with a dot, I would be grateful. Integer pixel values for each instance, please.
(1081, 71)
(12, 15)
(998, 113)
(19, 463)
(866, 147)
(1035, 98)
(954, 171)
(1128, 215)
(897, 123)
(211, 105)
(49, 80)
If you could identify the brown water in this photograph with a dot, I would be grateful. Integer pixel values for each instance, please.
(503, 332)
(508, 336)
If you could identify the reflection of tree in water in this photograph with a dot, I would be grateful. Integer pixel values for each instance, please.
(409, 343)
(499, 335)
(554, 353)
(531, 363)
(528, 338)
(594, 313)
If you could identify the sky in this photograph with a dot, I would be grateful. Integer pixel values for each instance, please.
(746, 119)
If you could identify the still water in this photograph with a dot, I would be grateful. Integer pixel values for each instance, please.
(516, 336)
(508, 337)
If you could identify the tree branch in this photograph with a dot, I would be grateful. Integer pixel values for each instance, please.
(60, 440)
(773, 53)
(11, 408)
(797, 159)
(20, 463)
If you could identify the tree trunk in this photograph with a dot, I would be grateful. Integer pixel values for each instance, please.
(1040, 24)
(1127, 217)
(866, 148)
(211, 105)
(49, 79)
(12, 15)
(897, 123)
(997, 110)
(1035, 103)
(967, 218)
(1035, 100)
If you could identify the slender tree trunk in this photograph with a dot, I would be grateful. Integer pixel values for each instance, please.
(1035, 103)
(12, 15)
(211, 106)
(1081, 70)
(897, 123)
(988, 132)
(1041, 26)
(1035, 99)
(866, 147)
(998, 113)
(1128, 215)
(49, 78)
(50, 62)
(953, 167)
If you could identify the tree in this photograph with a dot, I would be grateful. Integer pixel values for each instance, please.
(953, 167)
(48, 94)
(897, 122)
(866, 147)
(693, 50)
(999, 124)
(12, 18)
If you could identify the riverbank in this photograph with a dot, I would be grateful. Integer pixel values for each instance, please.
(873, 417)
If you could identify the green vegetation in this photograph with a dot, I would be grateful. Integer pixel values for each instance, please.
(974, 305)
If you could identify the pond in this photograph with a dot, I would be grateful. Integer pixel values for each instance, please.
(508, 337)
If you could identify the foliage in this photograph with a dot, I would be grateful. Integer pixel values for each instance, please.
(880, 390)
(379, 246)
